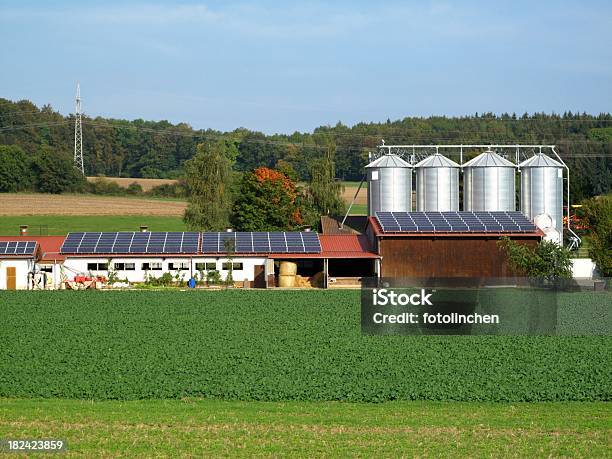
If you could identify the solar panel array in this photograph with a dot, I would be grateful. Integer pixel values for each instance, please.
(132, 242)
(261, 242)
(461, 222)
(188, 242)
(17, 248)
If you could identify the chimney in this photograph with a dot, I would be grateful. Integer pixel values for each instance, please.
(229, 230)
(307, 229)
(23, 230)
(144, 228)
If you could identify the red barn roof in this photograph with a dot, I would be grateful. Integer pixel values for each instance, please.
(336, 246)
(47, 247)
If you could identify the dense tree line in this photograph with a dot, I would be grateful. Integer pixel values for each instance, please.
(160, 149)
(45, 171)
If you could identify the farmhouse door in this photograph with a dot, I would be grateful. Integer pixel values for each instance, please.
(11, 278)
(260, 276)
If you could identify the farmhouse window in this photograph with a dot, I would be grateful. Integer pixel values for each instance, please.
(211, 266)
(233, 266)
(97, 266)
(151, 266)
(178, 266)
(125, 266)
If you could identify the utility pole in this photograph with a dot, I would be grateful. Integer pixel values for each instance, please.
(78, 134)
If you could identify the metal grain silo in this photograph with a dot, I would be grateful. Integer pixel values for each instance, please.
(542, 188)
(389, 185)
(437, 184)
(488, 183)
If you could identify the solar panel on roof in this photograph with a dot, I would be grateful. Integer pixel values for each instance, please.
(480, 221)
(263, 242)
(17, 247)
(188, 242)
(131, 243)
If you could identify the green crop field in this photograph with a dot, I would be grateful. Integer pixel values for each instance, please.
(205, 428)
(252, 373)
(359, 209)
(60, 225)
(274, 345)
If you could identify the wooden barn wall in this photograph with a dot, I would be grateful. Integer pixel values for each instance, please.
(445, 257)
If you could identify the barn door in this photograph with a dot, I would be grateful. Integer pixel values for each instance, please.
(11, 278)
(260, 276)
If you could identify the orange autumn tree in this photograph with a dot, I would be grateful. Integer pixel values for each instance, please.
(268, 200)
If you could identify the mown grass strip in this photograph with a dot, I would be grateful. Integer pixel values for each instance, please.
(392, 429)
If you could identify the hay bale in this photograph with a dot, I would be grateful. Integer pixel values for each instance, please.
(286, 280)
(302, 281)
(287, 268)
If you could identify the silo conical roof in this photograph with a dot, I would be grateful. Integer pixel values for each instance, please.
(540, 160)
(488, 159)
(437, 160)
(389, 161)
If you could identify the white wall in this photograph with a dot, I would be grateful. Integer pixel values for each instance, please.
(78, 266)
(53, 278)
(583, 268)
(248, 266)
(23, 267)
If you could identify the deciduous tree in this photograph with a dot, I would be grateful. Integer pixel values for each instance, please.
(15, 169)
(598, 217)
(269, 201)
(547, 261)
(208, 177)
(55, 172)
(324, 190)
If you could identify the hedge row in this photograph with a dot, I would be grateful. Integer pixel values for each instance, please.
(272, 345)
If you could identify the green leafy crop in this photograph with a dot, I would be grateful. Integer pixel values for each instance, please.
(273, 345)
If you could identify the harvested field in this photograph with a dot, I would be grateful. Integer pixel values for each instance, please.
(349, 192)
(145, 183)
(74, 204)
(60, 225)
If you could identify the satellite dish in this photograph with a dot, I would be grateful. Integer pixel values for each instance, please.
(543, 221)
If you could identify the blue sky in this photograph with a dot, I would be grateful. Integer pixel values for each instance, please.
(280, 66)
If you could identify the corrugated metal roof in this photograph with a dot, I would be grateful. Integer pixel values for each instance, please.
(437, 160)
(389, 161)
(330, 225)
(336, 246)
(540, 160)
(345, 246)
(354, 224)
(488, 159)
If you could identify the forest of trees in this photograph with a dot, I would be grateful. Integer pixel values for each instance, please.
(159, 149)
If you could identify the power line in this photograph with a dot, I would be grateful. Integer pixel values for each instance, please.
(29, 125)
(227, 136)
(173, 131)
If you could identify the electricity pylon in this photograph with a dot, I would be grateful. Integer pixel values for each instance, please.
(78, 134)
